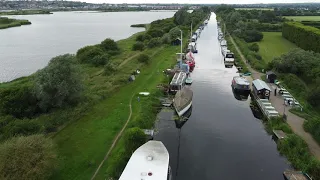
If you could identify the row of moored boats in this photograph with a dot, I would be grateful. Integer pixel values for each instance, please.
(151, 160)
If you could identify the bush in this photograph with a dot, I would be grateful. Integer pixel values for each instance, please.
(140, 37)
(58, 84)
(174, 33)
(254, 47)
(86, 54)
(134, 138)
(154, 42)
(110, 45)
(100, 60)
(314, 97)
(109, 69)
(138, 46)
(155, 33)
(166, 39)
(253, 36)
(144, 58)
(20, 127)
(18, 100)
(31, 157)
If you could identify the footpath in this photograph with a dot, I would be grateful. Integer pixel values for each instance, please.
(294, 121)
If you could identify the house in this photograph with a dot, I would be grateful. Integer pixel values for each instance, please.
(271, 77)
(261, 89)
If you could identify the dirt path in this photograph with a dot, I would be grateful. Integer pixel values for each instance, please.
(295, 122)
(115, 140)
(128, 59)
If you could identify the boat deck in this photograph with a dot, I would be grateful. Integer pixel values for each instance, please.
(183, 98)
(295, 175)
(279, 134)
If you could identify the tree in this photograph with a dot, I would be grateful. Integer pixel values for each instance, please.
(58, 84)
(109, 68)
(109, 45)
(154, 42)
(86, 54)
(31, 157)
(314, 97)
(166, 39)
(174, 33)
(100, 60)
(254, 47)
(155, 33)
(140, 37)
(253, 36)
(138, 46)
(144, 58)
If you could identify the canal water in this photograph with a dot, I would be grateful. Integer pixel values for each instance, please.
(25, 49)
(221, 140)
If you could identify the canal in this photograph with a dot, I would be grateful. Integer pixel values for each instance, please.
(222, 140)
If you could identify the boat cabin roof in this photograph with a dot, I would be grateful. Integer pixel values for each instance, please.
(259, 85)
(241, 80)
(149, 161)
(178, 78)
(192, 44)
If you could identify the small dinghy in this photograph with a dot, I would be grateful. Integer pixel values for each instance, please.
(189, 80)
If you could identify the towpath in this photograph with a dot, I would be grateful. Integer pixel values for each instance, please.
(295, 122)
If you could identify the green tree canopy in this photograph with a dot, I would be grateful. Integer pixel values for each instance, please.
(59, 83)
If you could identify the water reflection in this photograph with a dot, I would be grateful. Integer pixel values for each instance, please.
(180, 121)
(241, 96)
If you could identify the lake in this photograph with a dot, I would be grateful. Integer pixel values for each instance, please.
(25, 49)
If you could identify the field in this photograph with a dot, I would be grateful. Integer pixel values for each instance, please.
(274, 45)
(303, 18)
(264, 9)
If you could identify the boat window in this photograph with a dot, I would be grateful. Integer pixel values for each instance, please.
(174, 87)
(229, 56)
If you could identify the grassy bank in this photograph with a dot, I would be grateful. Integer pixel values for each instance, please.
(8, 23)
(303, 18)
(274, 45)
(25, 12)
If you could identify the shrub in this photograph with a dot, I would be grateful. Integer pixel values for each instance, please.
(31, 157)
(144, 58)
(155, 33)
(254, 47)
(86, 54)
(20, 127)
(253, 36)
(140, 37)
(58, 84)
(100, 60)
(314, 97)
(134, 138)
(18, 100)
(109, 69)
(154, 42)
(166, 39)
(174, 33)
(138, 46)
(109, 45)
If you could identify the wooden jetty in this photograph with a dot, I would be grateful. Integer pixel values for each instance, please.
(279, 134)
(296, 175)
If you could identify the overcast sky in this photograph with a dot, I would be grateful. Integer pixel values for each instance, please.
(200, 1)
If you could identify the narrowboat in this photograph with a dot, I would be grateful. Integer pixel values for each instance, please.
(241, 84)
(149, 161)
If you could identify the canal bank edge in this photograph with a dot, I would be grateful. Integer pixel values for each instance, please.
(293, 145)
(147, 109)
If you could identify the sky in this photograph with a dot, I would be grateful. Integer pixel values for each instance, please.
(199, 1)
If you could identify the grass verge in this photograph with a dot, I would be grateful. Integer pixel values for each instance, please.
(303, 18)
(274, 45)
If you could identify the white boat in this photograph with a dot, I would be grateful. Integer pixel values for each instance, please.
(183, 101)
(149, 162)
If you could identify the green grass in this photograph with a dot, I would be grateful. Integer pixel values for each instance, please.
(8, 23)
(82, 145)
(274, 45)
(248, 9)
(303, 18)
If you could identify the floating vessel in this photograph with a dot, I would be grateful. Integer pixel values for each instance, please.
(241, 85)
(189, 80)
(177, 82)
(183, 100)
(149, 162)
